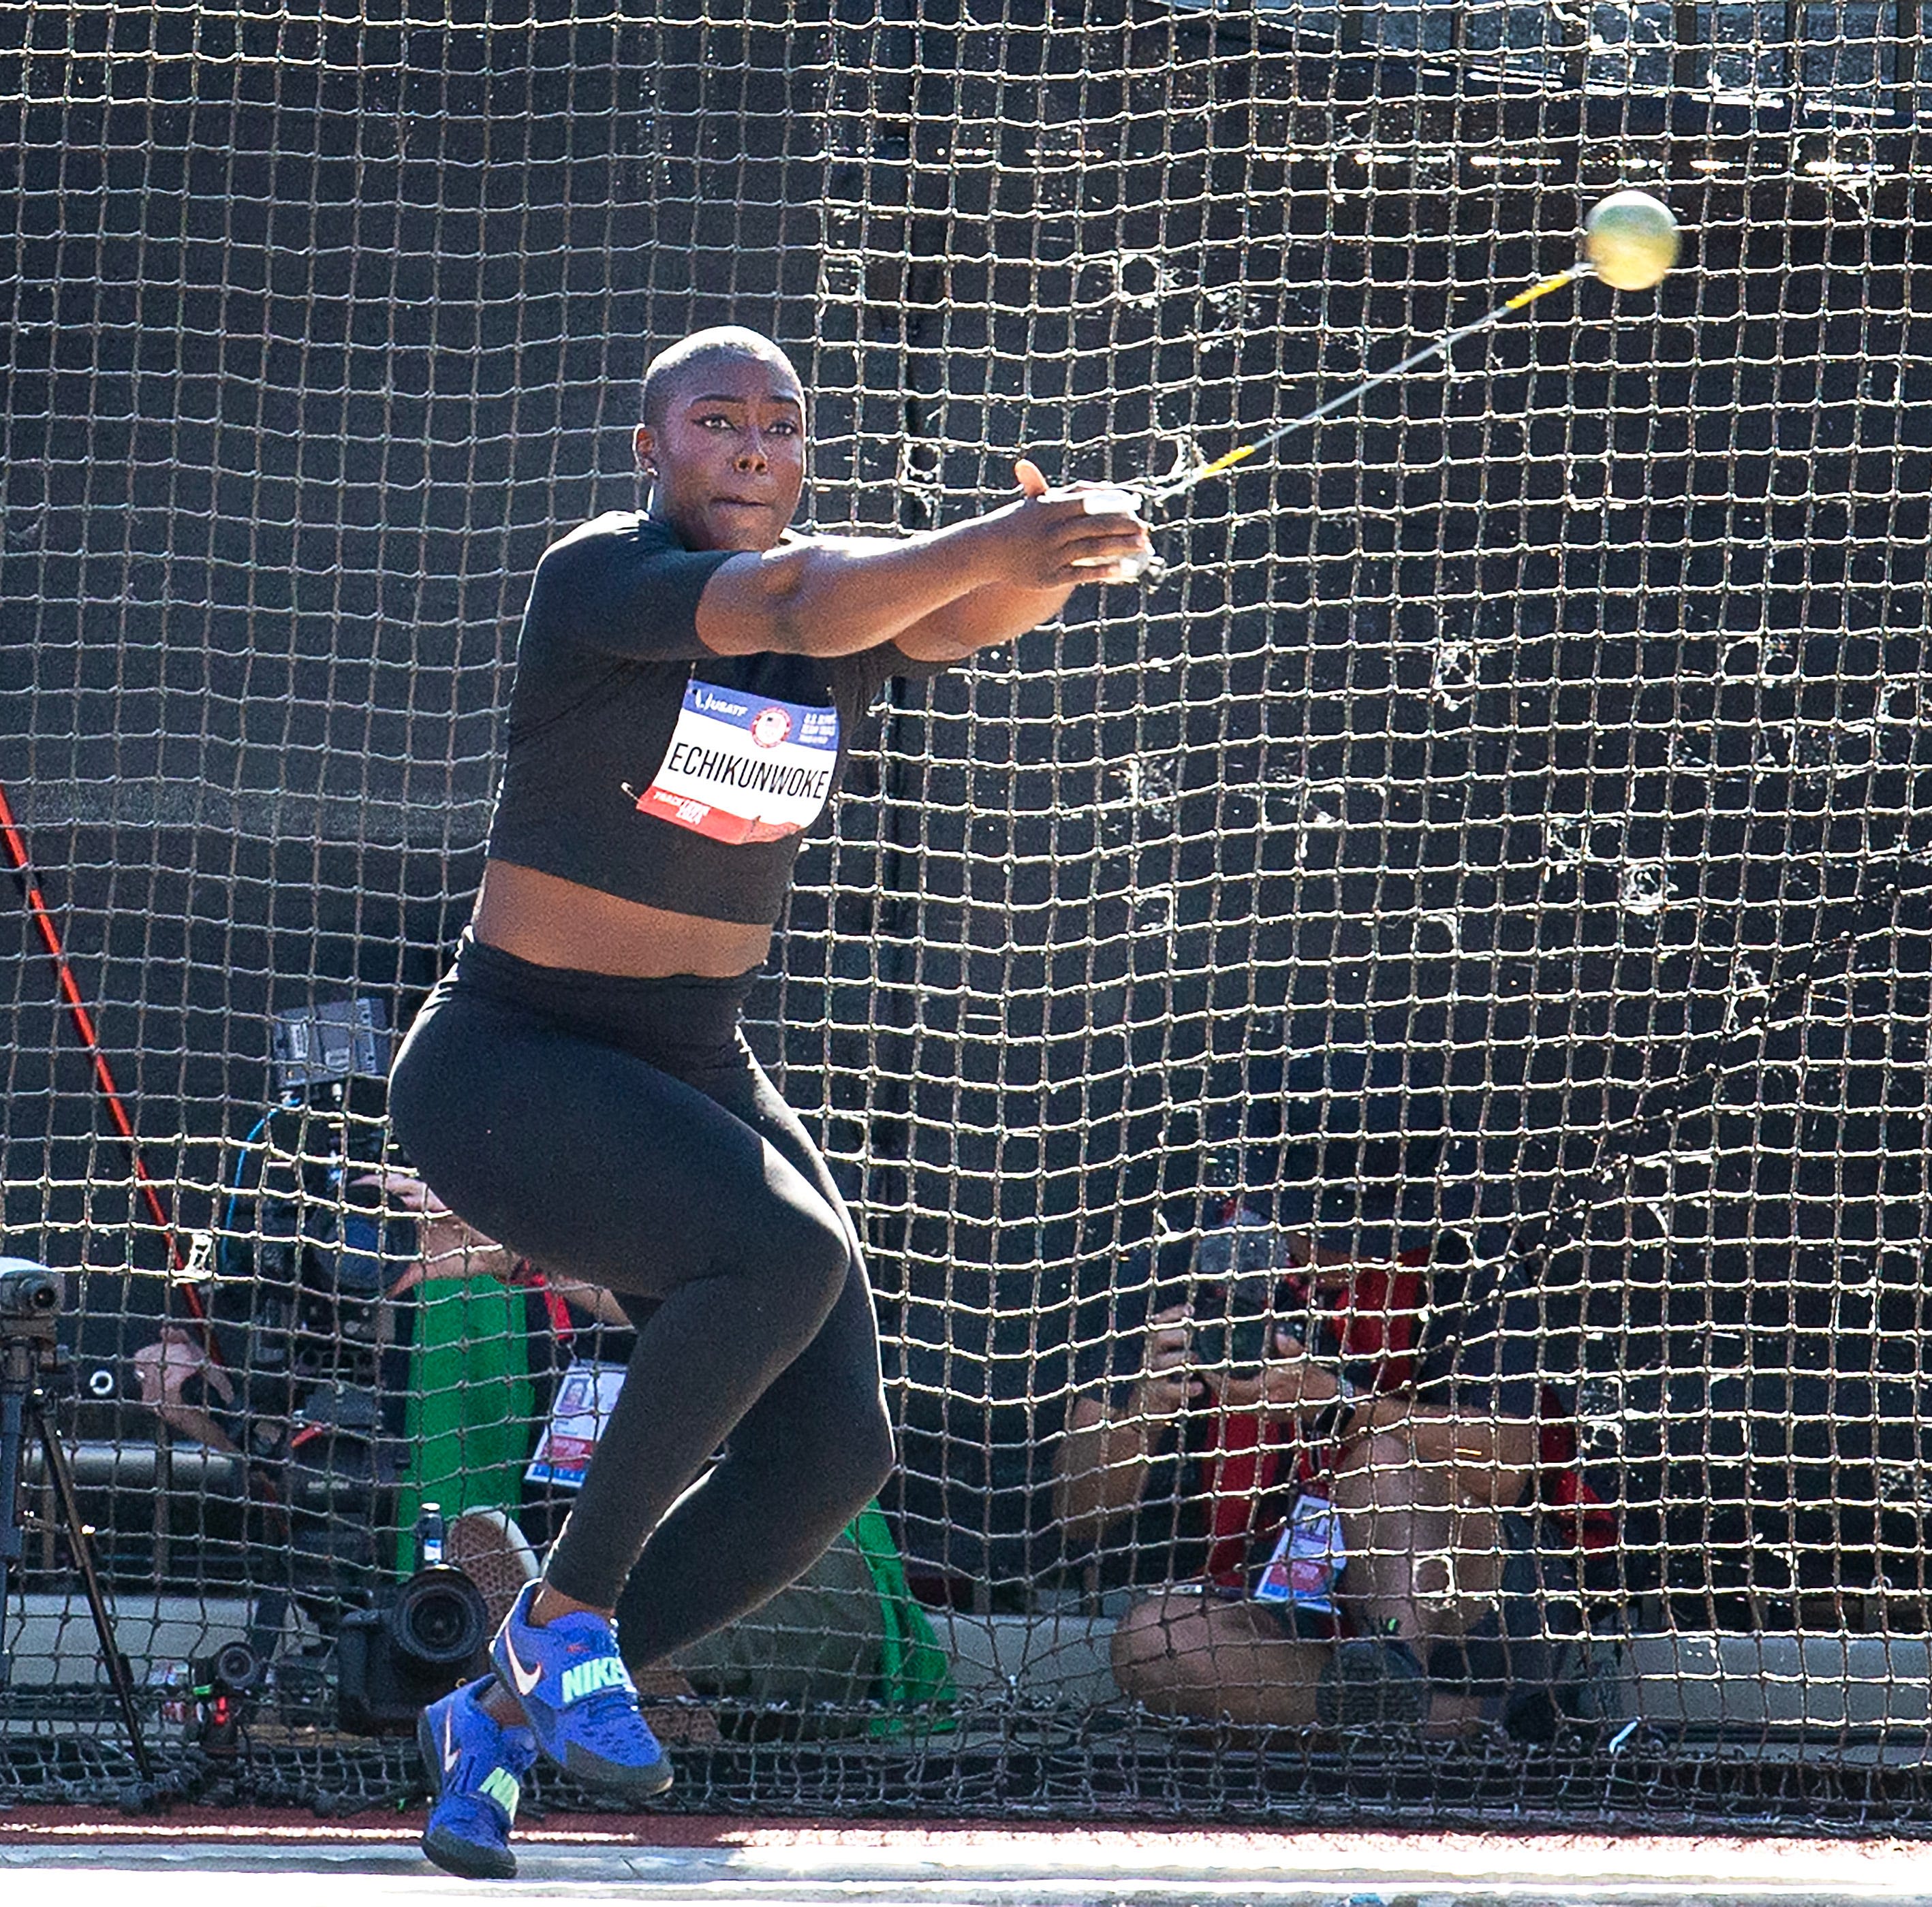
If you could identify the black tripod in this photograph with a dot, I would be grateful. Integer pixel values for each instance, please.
(29, 1309)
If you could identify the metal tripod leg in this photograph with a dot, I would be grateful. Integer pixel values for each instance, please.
(14, 1386)
(20, 1396)
(81, 1549)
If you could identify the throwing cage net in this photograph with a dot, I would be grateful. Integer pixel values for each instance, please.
(1481, 883)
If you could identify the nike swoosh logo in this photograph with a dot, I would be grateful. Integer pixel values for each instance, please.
(525, 1679)
(451, 1754)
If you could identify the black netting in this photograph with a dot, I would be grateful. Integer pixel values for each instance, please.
(1500, 837)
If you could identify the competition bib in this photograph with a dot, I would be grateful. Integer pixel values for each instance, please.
(743, 768)
(586, 1396)
(1308, 1555)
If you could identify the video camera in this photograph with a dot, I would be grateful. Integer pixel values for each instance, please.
(421, 1640)
(310, 1244)
(30, 1299)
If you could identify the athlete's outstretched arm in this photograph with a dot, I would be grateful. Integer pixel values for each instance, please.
(995, 612)
(944, 592)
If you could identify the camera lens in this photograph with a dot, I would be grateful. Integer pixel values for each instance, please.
(27, 1290)
(440, 1618)
(1233, 1322)
(235, 1669)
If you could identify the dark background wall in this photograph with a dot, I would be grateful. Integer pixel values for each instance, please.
(1532, 725)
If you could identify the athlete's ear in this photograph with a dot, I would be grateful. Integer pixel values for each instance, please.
(644, 440)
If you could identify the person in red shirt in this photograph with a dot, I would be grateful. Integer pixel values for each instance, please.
(1343, 1516)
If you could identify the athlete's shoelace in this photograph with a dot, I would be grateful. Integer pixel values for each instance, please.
(609, 1720)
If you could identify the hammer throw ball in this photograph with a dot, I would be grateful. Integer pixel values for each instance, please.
(1631, 240)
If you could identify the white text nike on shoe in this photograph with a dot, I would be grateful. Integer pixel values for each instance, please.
(579, 1701)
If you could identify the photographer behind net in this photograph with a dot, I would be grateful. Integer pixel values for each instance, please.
(1327, 1442)
(300, 1373)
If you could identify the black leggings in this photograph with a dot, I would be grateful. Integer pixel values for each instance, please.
(620, 1131)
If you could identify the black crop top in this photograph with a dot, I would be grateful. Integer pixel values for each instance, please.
(641, 764)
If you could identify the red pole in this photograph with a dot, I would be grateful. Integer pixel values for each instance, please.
(83, 1021)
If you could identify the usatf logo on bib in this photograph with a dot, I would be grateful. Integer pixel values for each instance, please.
(744, 768)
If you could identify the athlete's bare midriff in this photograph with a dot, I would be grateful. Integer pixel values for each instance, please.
(554, 922)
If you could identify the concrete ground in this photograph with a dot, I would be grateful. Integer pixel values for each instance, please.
(195, 1858)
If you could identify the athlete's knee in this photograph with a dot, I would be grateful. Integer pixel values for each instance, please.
(874, 1454)
(417, 1104)
(856, 1455)
(806, 1267)
(1149, 1658)
(1140, 1637)
(837, 1443)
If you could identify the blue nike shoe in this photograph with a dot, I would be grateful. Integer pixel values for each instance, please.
(580, 1701)
(476, 1767)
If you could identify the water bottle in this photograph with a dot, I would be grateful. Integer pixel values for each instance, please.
(429, 1536)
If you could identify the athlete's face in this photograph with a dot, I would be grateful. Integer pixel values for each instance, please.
(727, 462)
